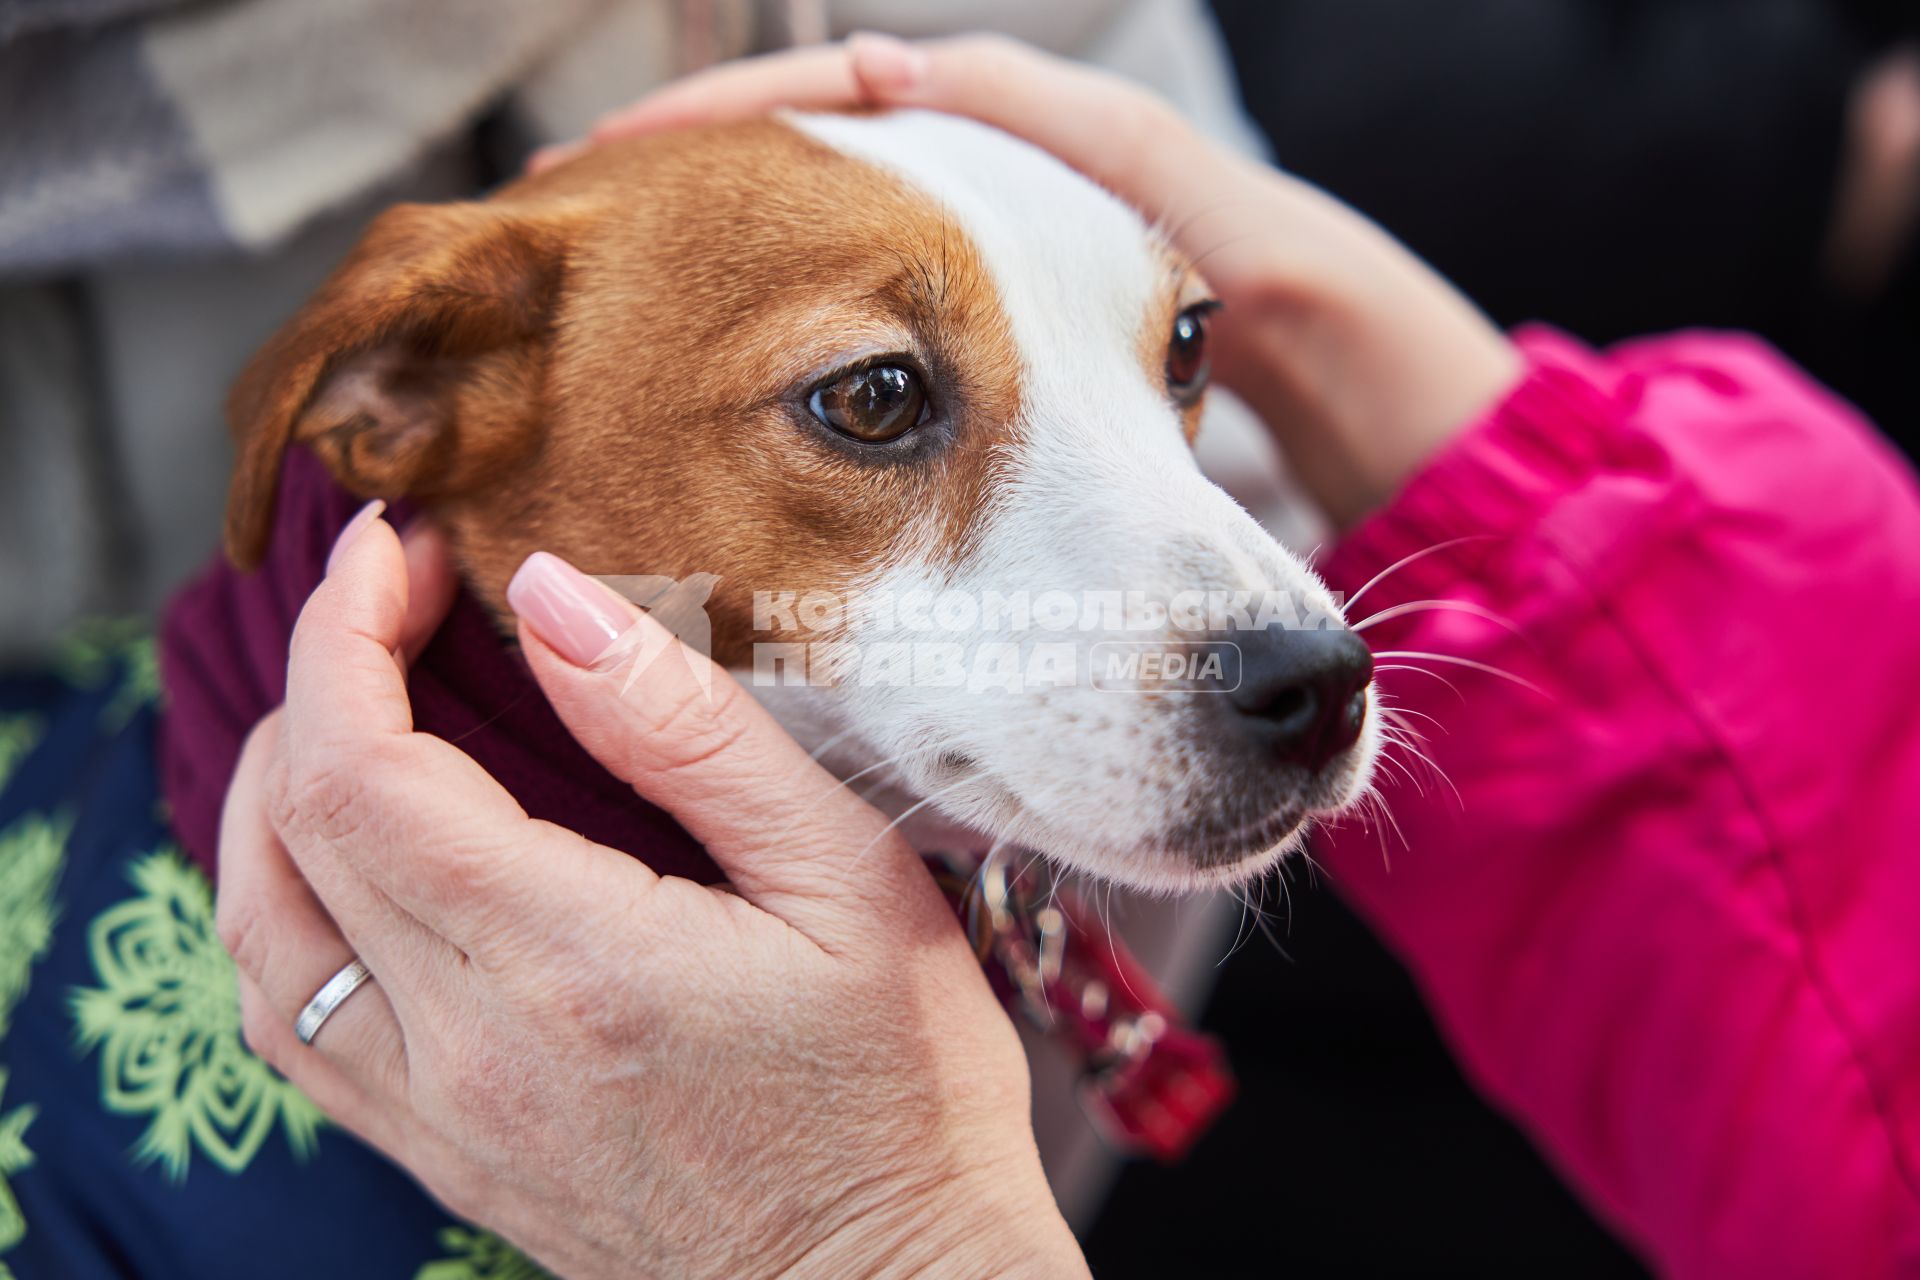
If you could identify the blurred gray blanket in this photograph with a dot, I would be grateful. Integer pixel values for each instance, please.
(177, 175)
(168, 127)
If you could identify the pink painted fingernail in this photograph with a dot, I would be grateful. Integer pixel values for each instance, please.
(887, 63)
(361, 519)
(570, 611)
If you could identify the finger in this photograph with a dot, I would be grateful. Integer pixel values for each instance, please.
(688, 738)
(819, 76)
(346, 1103)
(392, 828)
(358, 615)
(430, 580)
(1108, 128)
(556, 153)
(1111, 130)
(431, 586)
(286, 946)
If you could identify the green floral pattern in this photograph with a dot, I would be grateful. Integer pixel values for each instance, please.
(19, 735)
(163, 1016)
(14, 1157)
(32, 852)
(97, 650)
(479, 1255)
(166, 1021)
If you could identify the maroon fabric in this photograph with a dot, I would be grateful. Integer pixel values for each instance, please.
(223, 663)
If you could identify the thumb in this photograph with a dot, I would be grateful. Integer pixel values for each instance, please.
(431, 585)
(687, 737)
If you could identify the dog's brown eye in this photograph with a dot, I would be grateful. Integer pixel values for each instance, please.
(874, 404)
(1187, 352)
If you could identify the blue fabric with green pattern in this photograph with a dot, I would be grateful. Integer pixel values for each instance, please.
(138, 1136)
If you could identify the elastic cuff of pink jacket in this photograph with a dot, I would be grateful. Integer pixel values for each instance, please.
(1558, 426)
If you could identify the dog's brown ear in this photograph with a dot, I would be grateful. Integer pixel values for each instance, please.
(416, 368)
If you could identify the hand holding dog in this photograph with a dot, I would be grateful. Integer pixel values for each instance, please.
(538, 1045)
(1360, 358)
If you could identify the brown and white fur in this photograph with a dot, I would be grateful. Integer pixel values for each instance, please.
(611, 361)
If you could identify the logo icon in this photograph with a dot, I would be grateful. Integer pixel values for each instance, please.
(680, 607)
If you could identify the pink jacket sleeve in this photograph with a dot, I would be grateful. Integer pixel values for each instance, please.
(1671, 924)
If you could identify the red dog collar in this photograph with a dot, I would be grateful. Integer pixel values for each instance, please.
(1150, 1084)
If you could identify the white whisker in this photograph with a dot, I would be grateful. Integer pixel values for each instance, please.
(1404, 561)
(1404, 771)
(1429, 606)
(1286, 900)
(1421, 655)
(1113, 945)
(829, 744)
(904, 755)
(1438, 772)
(1243, 895)
(906, 813)
(1432, 675)
(1393, 822)
(1391, 716)
(1314, 869)
(1409, 711)
(1375, 803)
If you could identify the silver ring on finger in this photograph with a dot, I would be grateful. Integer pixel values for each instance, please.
(330, 997)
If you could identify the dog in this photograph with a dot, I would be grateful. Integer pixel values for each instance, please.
(879, 357)
(871, 360)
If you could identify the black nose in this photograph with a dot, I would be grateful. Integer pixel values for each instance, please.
(1302, 694)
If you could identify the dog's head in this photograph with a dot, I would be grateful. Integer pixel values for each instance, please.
(922, 399)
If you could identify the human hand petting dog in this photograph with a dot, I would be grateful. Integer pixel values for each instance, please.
(624, 1073)
(1361, 359)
